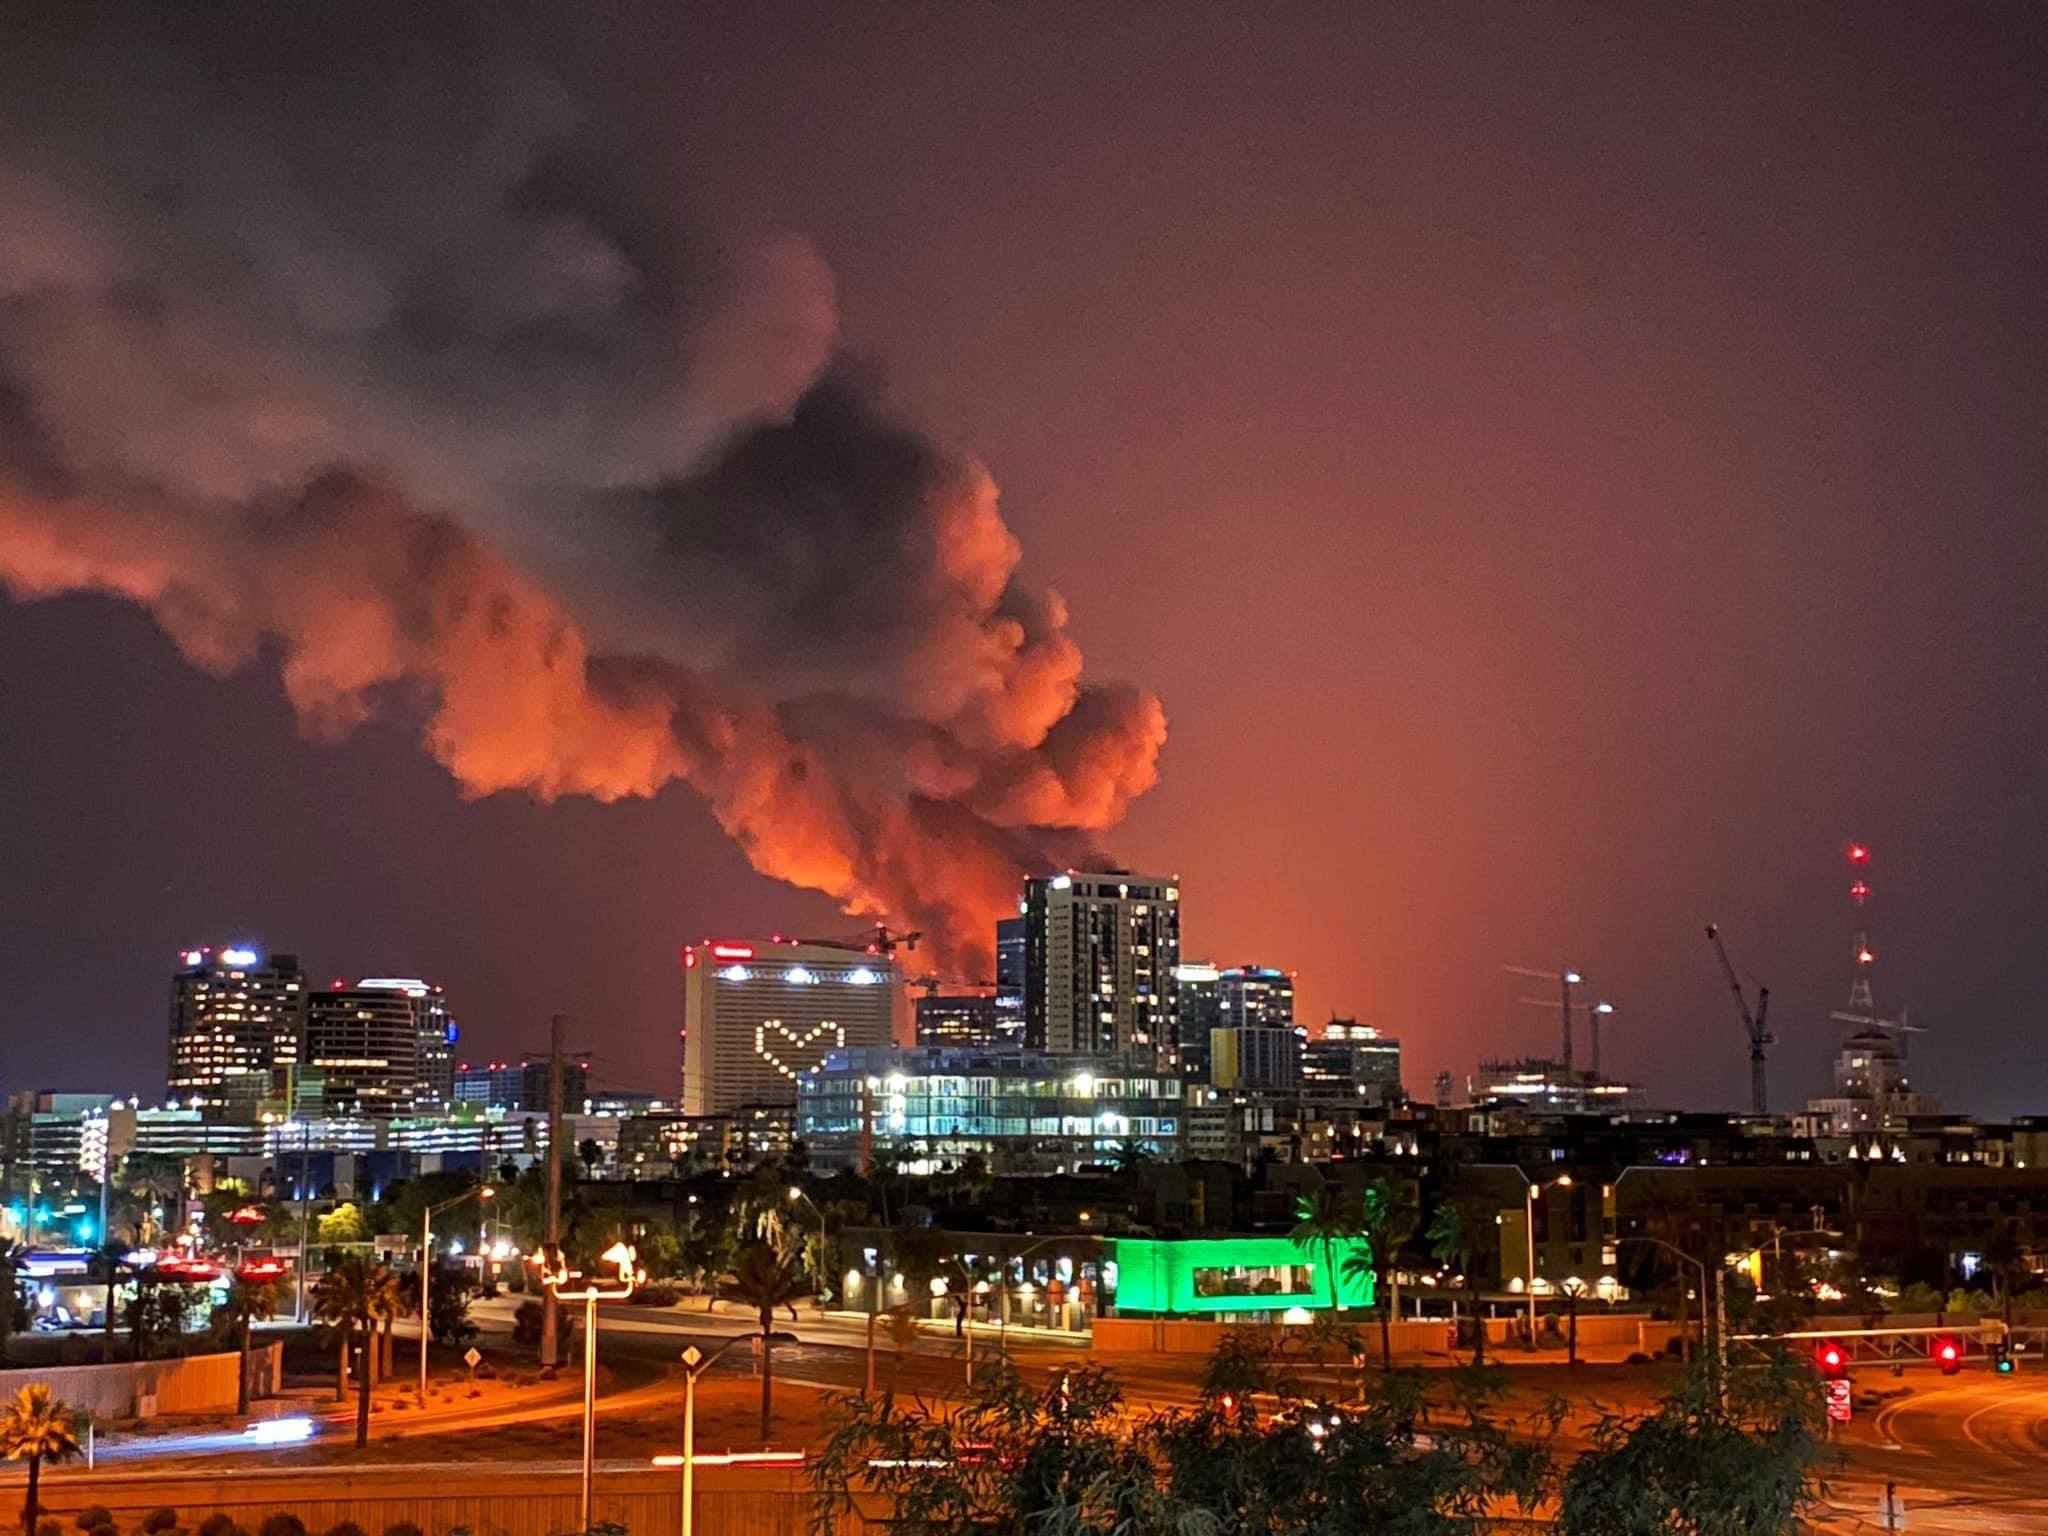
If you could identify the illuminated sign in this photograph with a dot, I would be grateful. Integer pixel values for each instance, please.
(238, 957)
(1232, 1274)
(788, 1043)
(733, 951)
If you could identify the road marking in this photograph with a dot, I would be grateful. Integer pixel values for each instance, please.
(1985, 1445)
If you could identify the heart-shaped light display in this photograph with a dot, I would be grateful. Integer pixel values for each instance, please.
(789, 1042)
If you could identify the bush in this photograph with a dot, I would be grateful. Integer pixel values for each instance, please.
(402, 1528)
(659, 1294)
(93, 1516)
(49, 1526)
(282, 1524)
(346, 1528)
(220, 1523)
(526, 1326)
(162, 1518)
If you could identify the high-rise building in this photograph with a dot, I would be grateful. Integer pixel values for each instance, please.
(1255, 1056)
(1100, 952)
(238, 1021)
(384, 1046)
(1351, 1057)
(759, 1013)
(956, 1019)
(1199, 1010)
(1250, 996)
(522, 1084)
(1010, 980)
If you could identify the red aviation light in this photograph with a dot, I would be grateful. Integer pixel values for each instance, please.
(1859, 893)
(1859, 853)
(1866, 956)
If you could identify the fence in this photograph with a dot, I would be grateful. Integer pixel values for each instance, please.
(192, 1384)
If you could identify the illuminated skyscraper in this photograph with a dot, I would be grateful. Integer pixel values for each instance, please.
(237, 1021)
(1010, 980)
(384, 1046)
(758, 1013)
(1199, 1011)
(1255, 996)
(1100, 952)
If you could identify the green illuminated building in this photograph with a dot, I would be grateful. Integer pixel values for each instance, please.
(1197, 1277)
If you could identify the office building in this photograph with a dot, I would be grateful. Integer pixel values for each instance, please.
(522, 1084)
(238, 1021)
(1023, 1111)
(1100, 952)
(1198, 1011)
(384, 1046)
(1249, 996)
(1010, 980)
(759, 1013)
(1352, 1061)
(949, 1019)
(1255, 1056)
(1872, 1090)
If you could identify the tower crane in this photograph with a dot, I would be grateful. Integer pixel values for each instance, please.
(878, 940)
(1752, 1023)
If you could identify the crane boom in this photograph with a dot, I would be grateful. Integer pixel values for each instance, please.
(1752, 1023)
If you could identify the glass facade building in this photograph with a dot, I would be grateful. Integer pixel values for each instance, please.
(1023, 1111)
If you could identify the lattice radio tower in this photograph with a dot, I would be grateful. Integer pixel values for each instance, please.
(1862, 1011)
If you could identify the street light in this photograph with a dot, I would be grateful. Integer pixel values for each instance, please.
(481, 1192)
(695, 1364)
(556, 1276)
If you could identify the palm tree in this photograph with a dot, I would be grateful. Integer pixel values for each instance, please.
(351, 1298)
(1325, 1218)
(36, 1428)
(1453, 1240)
(248, 1302)
(106, 1263)
(1387, 1221)
(765, 1280)
(12, 1254)
(2003, 1257)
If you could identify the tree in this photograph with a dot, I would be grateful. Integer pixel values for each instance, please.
(902, 1325)
(107, 1263)
(448, 1301)
(248, 1302)
(1386, 1222)
(350, 1299)
(156, 1316)
(589, 1154)
(36, 1428)
(1325, 1218)
(12, 1254)
(2007, 1265)
(343, 1224)
(764, 1280)
(1453, 1240)
(1692, 1467)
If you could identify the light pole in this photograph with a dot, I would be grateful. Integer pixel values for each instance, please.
(556, 1276)
(695, 1364)
(482, 1192)
(796, 1194)
(1529, 1194)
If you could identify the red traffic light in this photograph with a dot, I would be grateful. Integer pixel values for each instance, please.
(1832, 1359)
(1948, 1354)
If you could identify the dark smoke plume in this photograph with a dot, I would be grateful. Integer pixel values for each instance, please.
(368, 355)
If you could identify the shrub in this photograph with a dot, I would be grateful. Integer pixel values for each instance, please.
(282, 1524)
(346, 1528)
(659, 1294)
(49, 1525)
(219, 1523)
(402, 1528)
(92, 1517)
(526, 1326)
(162, 1518)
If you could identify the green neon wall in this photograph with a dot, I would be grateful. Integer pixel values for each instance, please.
(1156, 1276)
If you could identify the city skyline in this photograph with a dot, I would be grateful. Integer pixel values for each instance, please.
(1550, 518)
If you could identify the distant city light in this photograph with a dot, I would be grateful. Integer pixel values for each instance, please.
(733, 951)
(238, 957)
(861, 976)
(798, 976)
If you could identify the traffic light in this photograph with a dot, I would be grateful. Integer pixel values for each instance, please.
(1948, 1354)
(1832, 1359)
(2002, 1360)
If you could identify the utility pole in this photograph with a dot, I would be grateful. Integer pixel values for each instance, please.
(550, 1314)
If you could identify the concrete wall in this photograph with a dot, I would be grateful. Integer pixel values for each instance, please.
(194, 1384)
(491, 1499)
(1411, 1340)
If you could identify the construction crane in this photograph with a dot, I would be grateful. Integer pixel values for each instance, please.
(1752, 1023)
(878, 940)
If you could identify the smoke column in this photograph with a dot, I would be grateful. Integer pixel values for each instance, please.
(383, 372)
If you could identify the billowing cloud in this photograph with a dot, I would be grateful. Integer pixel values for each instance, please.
(407, 387)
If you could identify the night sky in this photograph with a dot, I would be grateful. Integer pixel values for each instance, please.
(1562, 476)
